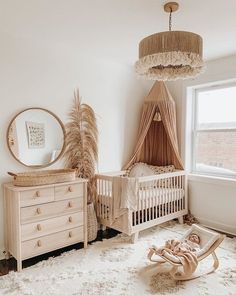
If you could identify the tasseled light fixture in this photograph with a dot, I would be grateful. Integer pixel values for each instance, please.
(170, 55)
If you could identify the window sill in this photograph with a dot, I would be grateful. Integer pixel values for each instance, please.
(212, 179)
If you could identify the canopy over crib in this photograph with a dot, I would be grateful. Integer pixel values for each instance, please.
(157, 137)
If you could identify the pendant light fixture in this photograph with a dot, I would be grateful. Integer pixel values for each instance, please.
(170, 55)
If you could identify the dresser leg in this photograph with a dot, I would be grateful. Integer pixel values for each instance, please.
(19, 265)
(7, 255)
(103, 227)
(85, 244)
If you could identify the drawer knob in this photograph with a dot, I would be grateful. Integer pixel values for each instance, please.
(70, 204)
(70, 234)
(38, 210)
(39, 243)
(70, 189)
(37, 193)
(39, 227)
(70, 219)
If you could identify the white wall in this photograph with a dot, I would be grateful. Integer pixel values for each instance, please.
(32, 75)
(212, 201)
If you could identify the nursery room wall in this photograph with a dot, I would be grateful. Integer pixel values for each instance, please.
(36, 75)
(211, 200)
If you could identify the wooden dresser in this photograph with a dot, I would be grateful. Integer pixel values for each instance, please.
(44, 218)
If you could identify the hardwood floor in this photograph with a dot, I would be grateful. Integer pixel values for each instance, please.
(10, 265)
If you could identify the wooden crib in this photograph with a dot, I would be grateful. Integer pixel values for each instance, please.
(158, 198)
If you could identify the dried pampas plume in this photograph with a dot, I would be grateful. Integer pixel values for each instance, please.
(81, 150)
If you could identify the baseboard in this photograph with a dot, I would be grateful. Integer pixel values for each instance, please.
(217, 226)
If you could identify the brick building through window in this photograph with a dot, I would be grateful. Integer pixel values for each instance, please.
(214, 131)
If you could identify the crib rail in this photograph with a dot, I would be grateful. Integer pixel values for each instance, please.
(159, 198)
(104, 203)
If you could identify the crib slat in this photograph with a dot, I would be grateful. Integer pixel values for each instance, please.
(175, 185)
(148, 207)
(179, 194)
(142, 209)
(100, 201)
(158, 200)
(107, 199)
(103, 198)
(162, 199)
(171, 196)
(167, 197)
(176, 194)
(146, 203)
(168, 191)
(96, 198)
(137, 213)
(152, 203)
(110, 198)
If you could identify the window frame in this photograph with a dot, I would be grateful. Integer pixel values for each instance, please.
(195, 131)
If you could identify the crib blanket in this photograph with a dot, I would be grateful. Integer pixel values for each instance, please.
(127, 197)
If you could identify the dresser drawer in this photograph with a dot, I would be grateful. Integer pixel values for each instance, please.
(43, 211)
(75, 190)
(36, 196)
(51, 242)
(50, 226)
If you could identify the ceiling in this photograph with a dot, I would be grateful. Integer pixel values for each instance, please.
(113, 28)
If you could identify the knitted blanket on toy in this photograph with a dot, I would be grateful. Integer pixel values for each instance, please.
(183, 252)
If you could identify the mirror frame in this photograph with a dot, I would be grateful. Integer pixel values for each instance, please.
(64, 137)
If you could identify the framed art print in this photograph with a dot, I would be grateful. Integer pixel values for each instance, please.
(36, 135)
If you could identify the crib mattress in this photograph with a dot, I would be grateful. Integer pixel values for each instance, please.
(159, 196)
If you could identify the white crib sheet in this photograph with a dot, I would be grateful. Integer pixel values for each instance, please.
(152, 196)
(158, 196)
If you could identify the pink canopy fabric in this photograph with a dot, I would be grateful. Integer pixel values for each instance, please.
(157, 139)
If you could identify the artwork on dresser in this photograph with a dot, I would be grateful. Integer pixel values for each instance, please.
(36, 135)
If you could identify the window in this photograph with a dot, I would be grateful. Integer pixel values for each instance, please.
(214, 131)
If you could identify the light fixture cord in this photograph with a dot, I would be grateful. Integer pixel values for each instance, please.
(170, 19)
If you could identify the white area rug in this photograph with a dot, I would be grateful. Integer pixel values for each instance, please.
(115, 266)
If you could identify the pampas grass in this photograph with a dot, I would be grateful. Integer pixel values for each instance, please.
(81, 152)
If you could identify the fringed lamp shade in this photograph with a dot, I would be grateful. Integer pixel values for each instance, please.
(170, 55)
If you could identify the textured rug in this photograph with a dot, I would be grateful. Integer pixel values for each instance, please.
(115, 266)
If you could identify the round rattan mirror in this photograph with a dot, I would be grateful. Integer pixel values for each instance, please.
(36, 137)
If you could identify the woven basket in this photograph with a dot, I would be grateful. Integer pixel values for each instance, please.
(92, 223)
(42, 177)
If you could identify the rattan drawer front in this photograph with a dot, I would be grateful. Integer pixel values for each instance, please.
(69, 191)
(52, 242)
(50, 226)
(36, 196)
(49, 210)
